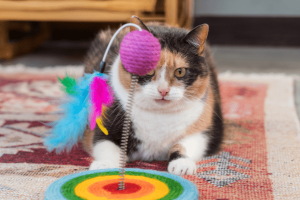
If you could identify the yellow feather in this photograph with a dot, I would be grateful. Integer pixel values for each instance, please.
(101, 126)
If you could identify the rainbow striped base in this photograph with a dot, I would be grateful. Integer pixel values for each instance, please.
(139, 184)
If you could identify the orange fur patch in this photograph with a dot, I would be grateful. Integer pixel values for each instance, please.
(198, 88)
(87, 141)
(125, 77)
(103, 112)
(205, 120)
(177, 147)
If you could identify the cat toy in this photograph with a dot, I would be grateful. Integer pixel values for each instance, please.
(139, 53)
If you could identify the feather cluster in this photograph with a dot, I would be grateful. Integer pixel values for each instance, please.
(68, 84)
(101, 95)
(70, 127)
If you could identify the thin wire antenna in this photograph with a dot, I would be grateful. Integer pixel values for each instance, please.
(127, 120)
(125, 133)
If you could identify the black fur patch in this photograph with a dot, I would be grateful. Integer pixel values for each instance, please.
(113, 122)
(143, 80)
(192, 74)
(215, 132)
(175, 155)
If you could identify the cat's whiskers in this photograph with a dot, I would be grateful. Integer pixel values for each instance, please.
(190, 97)
(213, 111)
(180, 105)
(205, 102)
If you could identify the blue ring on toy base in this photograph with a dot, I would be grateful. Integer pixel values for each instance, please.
(190, 191)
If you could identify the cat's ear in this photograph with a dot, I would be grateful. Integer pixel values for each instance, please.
(137, 21)
(197, 37)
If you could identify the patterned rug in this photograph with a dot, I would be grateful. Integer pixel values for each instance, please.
(259, 159)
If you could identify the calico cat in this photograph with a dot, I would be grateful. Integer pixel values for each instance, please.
(176, 114)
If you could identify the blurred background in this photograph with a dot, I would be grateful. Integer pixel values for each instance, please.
(249, 36)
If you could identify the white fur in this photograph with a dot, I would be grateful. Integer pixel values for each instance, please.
(182, 166)
(121, 93)
(160, 131)
(106, 155)
(195, 146)
(162, 83)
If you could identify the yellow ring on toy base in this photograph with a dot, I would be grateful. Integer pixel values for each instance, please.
(146, 189)
(161, 189)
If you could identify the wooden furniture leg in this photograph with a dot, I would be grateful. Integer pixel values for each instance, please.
(171, 12)
(8, 50)
(189, 14)
(4, 41)
(186, 13)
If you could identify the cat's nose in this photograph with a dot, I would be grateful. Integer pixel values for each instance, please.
(164, 92)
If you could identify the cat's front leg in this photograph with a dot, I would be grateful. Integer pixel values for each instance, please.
(184, 154)
(106, 155)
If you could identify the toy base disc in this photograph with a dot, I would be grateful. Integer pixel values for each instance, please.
(139, 184)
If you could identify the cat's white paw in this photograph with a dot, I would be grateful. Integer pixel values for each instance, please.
(182, 166)
(103, 164)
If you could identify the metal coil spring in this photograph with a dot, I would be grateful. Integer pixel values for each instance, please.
(125, 133)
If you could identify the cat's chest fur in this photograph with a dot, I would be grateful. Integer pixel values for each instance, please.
(156, 131)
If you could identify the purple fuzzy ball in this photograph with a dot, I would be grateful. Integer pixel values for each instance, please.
(140, 52)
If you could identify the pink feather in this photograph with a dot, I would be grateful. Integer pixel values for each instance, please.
(101, 95)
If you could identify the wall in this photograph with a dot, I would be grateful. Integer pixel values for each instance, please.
(257, 8)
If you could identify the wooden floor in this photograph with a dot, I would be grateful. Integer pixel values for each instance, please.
(232, 58)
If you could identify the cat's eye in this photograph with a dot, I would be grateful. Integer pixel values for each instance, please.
(151, 73)
(180, 72)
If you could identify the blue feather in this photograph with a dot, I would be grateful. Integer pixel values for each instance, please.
(70, 127)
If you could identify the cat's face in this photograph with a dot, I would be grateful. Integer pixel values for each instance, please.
(174, 83)
(181, 75)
